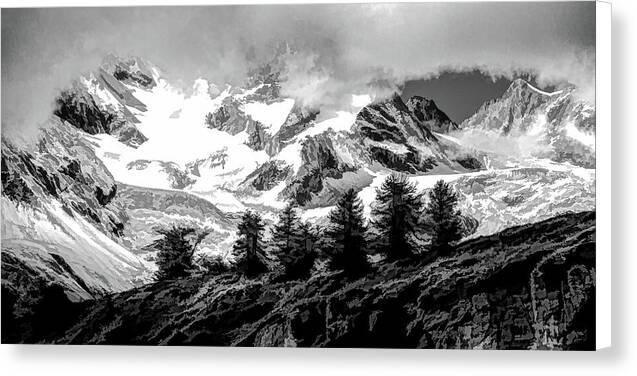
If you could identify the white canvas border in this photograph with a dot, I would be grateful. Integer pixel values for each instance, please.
(603, 167)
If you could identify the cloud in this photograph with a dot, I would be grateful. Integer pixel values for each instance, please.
(337, 50)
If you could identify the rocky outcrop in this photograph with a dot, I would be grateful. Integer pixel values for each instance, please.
(409, 161)
(392, 121)
(299, 119)
(321, 161)
(63, 167)
(176, 176)
(266, 77)
(228, 118)
(429, 115)
(79, 109)
(101, 102)
(268, 175)
(92, 114)
(529, 287)
(133, 71)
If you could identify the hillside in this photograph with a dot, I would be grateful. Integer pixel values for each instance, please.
(527, 287)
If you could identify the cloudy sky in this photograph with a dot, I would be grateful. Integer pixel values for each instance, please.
(338, 49)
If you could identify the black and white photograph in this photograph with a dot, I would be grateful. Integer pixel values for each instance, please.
(370, 175)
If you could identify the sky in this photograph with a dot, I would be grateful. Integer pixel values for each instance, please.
(460, 94)
(335, 50)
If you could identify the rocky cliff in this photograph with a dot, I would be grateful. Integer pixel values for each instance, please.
(428, 113)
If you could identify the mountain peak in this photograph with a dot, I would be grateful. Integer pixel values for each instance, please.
(422, 102)
(426, 111)
(133, 70)
(521, 85)
(393, 100)
(518, 84)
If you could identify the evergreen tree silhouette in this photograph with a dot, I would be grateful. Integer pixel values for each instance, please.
(248, 249)
(397, 218)
(346, 236)
(309, 253)
(445, 222)
(294, 244)
(175, 249)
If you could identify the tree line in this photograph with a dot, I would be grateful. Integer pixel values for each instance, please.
(403, 225)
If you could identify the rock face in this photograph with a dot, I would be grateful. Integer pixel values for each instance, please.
(322, 160)
(133, 71)
(426, 111)
(79, 108)
(231, 118)
(397, 139)
(299, 119)
(228, 118)
(560, 120)
(268, 175)
(100, 102)
(529, 287)
(391, 121)
(63, 167)
(177, 177)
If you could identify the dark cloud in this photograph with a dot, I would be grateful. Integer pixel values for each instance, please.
(338, 49)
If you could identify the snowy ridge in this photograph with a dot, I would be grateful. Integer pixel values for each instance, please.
(544, 92)
(557, 125)
(70, 235)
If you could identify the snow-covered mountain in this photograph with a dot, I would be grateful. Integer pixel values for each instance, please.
(59, 221)
(128, 151)
(246, 146)
(249, 147)
(556, 125)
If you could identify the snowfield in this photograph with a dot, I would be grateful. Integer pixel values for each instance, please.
(272, 115)
(177, 134)
(32, 234)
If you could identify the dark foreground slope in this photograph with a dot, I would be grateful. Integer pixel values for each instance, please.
(528, 287)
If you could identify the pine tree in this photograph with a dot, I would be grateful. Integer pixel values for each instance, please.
(346, 236)
(285, 235)
(396, 217)
(248, 249)
(175, 249)
(293, 243)
(308, 253)
(445, 222)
